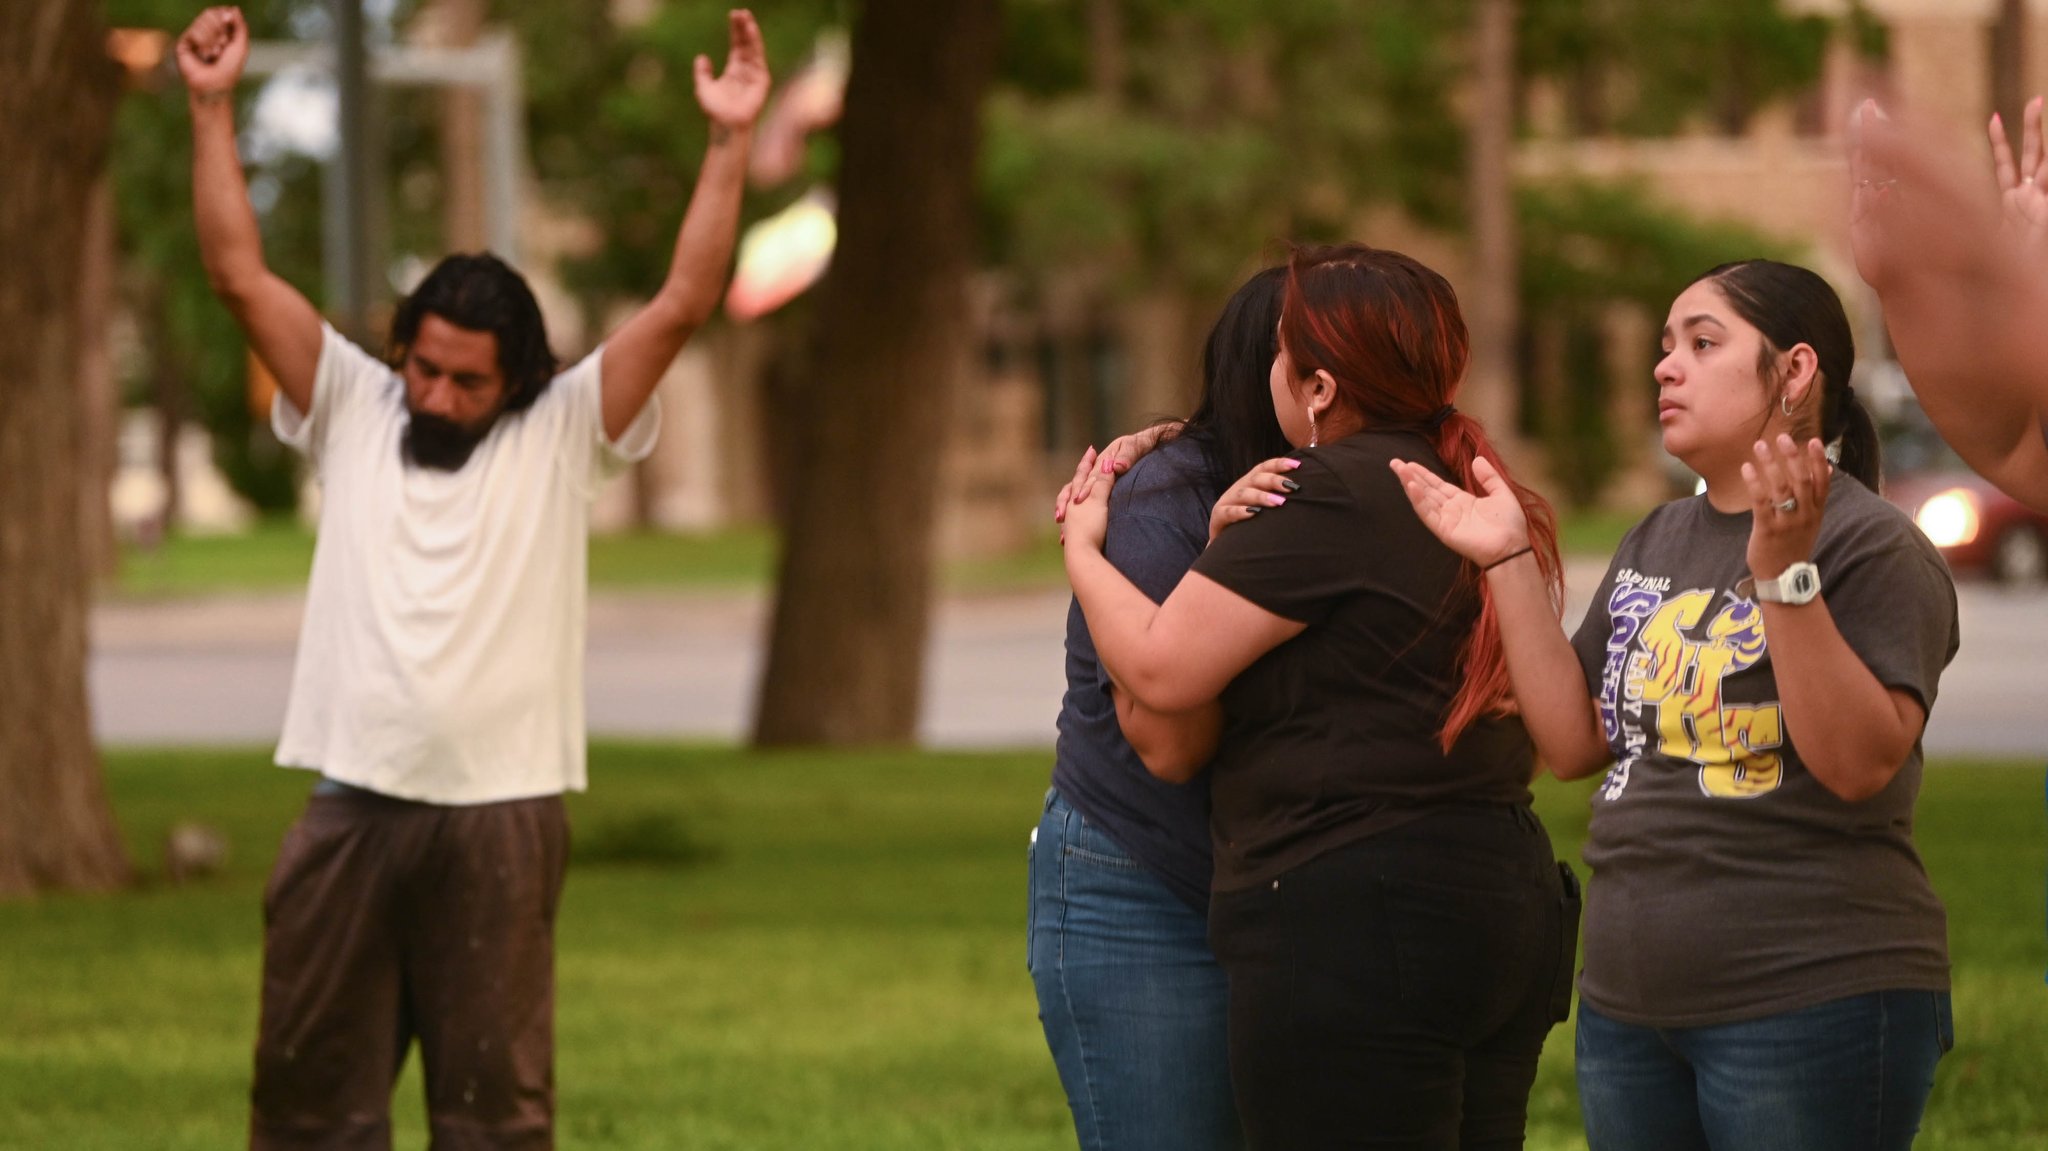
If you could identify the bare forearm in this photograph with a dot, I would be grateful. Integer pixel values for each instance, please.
(1173, 745)
(1549, 685)
(1119, 617)
(230, 244)
(641, 350)
(1852, 732)
(1979, 363)
(704, 243)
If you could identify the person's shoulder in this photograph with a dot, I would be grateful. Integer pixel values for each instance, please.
(1859, 520)
(1360, 464)
(1373, 446)
(342, 356)
(1672, 524)
(1175, 470)
(1671, 515)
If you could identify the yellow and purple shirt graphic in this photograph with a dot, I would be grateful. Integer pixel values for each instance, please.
(1669, 658)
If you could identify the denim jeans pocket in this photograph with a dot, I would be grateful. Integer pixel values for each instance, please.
(1570, 905)
(1088, 845)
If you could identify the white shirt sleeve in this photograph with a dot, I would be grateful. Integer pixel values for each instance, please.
(345, 373)
(592, 456)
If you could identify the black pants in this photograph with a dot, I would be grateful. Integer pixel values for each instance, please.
(387, 921)
(1395, 992)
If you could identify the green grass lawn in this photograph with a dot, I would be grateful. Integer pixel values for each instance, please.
(275, 555)
(796, 951)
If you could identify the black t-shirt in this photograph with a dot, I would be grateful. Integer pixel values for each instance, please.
(1158, 522)
(1333, 735)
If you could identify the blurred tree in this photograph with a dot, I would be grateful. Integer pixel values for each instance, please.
(1587, 248)
(1648, 68)
(614, 127)
(1159, 140)
(845, 658)
(57, 94)
(192, 363)
(1632, 68)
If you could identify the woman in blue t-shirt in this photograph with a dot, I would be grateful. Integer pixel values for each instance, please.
(1132, 1001)
(1766, 964)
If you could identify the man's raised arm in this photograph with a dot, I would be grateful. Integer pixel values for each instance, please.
(281, 325)
(1964, 281)
(638, 353)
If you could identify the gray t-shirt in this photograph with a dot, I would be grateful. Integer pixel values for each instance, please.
(1728, 884)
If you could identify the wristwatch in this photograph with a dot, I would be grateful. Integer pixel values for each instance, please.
(1797, 584)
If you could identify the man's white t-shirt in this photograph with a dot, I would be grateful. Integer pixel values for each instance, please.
(441, 657)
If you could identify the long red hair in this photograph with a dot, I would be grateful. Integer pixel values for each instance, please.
(1388, 330)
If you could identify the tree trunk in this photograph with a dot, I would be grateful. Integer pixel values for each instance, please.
(170, 391)
(846, 656)
(99, 395)
(57, 94)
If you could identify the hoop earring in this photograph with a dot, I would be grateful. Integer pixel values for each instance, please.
(1785, 404)
(1311, 427)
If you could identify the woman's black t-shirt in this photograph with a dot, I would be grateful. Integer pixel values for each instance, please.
(1333, 735)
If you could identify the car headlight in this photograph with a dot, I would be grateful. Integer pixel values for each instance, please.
(1950, 518)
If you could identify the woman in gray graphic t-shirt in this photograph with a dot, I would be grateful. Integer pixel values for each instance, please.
(1766, 965)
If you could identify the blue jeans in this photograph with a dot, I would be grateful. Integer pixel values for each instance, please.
(1134, 1006)
(1850, 1074)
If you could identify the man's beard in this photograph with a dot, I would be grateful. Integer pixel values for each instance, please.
(441, 444)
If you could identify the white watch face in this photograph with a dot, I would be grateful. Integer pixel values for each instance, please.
(1802, 583)
(1797, 584)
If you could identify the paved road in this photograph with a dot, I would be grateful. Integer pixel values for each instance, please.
(685, 666)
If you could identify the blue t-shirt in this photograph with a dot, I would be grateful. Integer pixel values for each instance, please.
(1158, 524)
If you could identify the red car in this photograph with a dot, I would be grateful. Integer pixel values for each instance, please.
(1976, 526)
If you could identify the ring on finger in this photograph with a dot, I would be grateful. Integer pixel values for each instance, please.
(1788, 504)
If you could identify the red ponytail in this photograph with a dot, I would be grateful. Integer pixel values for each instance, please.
(1388, 330)
(1482, 660)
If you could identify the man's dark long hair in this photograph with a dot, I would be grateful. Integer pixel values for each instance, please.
(482, 293)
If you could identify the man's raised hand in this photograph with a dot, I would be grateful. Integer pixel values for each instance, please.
(212, 51)
(733, 101)
(2020, 183)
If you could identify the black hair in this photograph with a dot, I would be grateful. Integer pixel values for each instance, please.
(1234, 424)
(1791, 305)
(482, 293)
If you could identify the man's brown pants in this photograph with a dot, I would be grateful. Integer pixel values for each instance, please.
(385, 921)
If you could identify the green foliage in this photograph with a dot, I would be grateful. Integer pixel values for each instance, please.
(1586, 240)
(1648, 68)
(615, 129)
(847, 973)
(1213, 130)
(189, 349)
(1586, 247)
(1173, 152)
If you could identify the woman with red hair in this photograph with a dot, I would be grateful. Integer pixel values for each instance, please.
(1396, 932)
